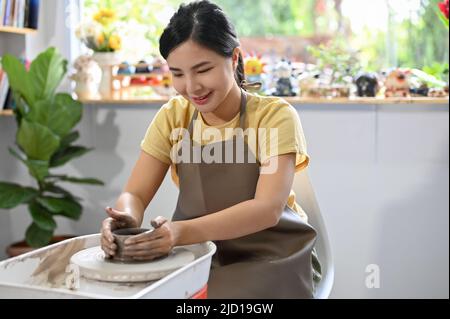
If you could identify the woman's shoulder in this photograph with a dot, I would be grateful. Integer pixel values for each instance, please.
(265, 108)
(263, 101)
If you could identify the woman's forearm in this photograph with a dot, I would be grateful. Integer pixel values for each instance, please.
(131, 204)
(239, 220)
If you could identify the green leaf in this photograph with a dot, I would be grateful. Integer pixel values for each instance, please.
(37, 237)
(62, 157)
(40, 112)
(38, 169)
(443, 19)
(69, 139)
(46, 73)
(60, 191)
(65, 114)
(42, 217)
(59, 115)
(37, 141)
(12, 195)
(61, 206)
(18, 78)
(76, 180)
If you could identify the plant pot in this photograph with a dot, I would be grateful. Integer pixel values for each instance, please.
(22, 247)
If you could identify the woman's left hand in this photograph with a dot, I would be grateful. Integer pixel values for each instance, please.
(152, 244)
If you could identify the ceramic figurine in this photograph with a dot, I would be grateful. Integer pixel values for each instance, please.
(421, 83)
(438, 92)
(125, 68)
(143, 67)
(397, 83)
(254, 68)
(367, 85)
(283, 74)
(87, 77)
(309, 84)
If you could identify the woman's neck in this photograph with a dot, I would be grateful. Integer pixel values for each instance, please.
(227, 110)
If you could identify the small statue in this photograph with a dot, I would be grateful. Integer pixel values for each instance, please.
(309, 84)
(126, 69)
(87, 77)
(438, 92)
(143, 67)
(254, 68)
(397, 83)
(283, 73)
(367, 84)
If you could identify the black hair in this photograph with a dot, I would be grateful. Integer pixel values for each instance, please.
(206, 24)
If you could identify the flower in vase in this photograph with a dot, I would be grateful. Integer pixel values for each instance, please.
(114, 42)
(105, 16)
(100, 33)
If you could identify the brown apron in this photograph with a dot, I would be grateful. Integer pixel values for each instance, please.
(273, 263)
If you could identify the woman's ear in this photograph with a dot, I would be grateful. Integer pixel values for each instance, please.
(236, 53)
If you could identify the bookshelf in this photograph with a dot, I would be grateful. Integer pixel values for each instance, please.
(19, 15)
(17, 30)
(18, 19)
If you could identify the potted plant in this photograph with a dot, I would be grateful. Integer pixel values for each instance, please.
(337, 66)
(44, 141)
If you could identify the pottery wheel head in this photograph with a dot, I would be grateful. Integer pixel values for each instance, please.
(92, 264)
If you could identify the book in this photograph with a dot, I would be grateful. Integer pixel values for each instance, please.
(33, 14)
(19, 13)
(7, 13)
(26, 14)
(2, 11)
(4, 87)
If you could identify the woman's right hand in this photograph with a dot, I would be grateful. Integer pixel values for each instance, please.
(116, 220)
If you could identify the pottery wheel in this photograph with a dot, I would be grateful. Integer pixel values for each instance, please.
(93, 265)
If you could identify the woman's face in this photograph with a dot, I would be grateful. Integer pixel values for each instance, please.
(201, 75)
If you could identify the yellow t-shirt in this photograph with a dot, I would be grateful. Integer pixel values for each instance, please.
(261, 113)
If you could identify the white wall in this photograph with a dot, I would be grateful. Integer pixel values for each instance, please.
(380, 174)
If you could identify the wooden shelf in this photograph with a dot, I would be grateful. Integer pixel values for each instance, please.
(17, 30)
(292, 100)
(136, 75)
(6, 113)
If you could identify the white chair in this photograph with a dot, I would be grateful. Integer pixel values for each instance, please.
(306, 198)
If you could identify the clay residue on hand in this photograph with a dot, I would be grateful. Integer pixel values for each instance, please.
(51, 271)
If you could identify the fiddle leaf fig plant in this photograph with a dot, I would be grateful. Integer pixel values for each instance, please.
(44, 141)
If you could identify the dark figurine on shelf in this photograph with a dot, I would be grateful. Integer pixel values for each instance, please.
(367, 84)
(283, 73)
(420, 91)
(143, 67)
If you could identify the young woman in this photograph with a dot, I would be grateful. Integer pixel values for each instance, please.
(233, 156)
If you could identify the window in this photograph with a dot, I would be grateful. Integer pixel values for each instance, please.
(386, 33)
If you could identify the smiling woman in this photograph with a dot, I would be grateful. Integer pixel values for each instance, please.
(245, 205)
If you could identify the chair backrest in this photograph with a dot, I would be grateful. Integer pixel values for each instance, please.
(306, 197)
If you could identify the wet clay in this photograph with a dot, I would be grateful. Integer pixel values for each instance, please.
(120, 235)
(51, 271)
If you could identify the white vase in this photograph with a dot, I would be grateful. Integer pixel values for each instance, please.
(106, 61)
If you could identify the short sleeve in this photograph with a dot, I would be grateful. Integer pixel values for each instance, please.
(157, 140)
(283, 134)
